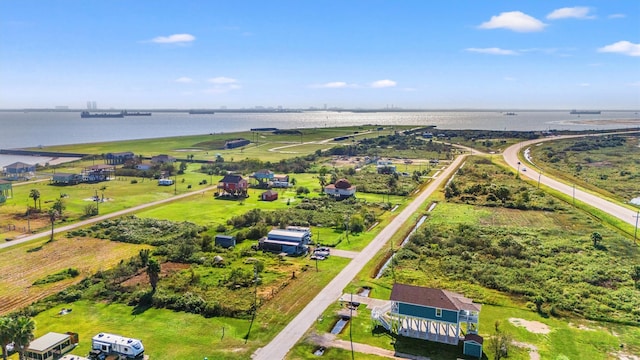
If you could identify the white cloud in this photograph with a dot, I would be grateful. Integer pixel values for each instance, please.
(184, 80)
(492, 51)
(622, 47)
(383, 84)
(577, 12)
(514, 20)
(617, 16)
(584, 84)
(174, 39)
(333, 85)
(222, 80)
(222, 84)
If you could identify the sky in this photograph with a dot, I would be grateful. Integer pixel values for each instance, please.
(152, 54)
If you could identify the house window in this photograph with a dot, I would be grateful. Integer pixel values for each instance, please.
(438, 312)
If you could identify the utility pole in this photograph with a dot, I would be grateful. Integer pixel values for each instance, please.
(351, 324)
(635, 233)
(97, 202)
(539, 176)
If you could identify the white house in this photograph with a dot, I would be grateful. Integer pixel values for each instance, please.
(342, 189)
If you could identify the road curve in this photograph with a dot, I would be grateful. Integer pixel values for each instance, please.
(291, 334)
(99, 218)
(510, 155)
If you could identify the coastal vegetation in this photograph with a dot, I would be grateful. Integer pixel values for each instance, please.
(515, 248)
(608, 165)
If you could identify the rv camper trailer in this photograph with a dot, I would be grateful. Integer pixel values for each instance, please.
(110, 344)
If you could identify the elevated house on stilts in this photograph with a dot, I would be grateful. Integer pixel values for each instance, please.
(431, 314)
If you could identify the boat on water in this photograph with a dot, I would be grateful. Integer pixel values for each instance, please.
(136, 113)
(201, 112)
(585, 112)
(86, 114)
(510, 113)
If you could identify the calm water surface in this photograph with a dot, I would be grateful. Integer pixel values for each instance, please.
(31, 129)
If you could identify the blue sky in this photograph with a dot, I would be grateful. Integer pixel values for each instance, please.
(299, 54)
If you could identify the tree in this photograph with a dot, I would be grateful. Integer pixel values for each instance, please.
(635, 274)
(499, 342)
(596, 238)
(153, 270)
(6, 334)
(23, 327)
(538, 300)
(59, 206)
(53, 215)
(35, 195)
(144, 256)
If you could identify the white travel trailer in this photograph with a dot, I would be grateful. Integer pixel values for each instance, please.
(111, 344)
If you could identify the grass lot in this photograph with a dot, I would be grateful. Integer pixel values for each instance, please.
(605, 167)
(161, 330)
(571, 335)
(26, 263)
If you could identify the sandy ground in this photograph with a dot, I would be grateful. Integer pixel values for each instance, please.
(533, 350)
(535, 327)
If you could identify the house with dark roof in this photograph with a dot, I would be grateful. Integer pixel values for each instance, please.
(98, 173)
(118, 158)
(342, 189)
(233, 185)
(19, 171)
(236, 143)
(431, 314)
(163, 159)
(66, 179)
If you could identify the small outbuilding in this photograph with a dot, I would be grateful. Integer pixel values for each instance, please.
(473, 345)
(225, 241)
(51, 346)
(165, 182)
(236, 143)
(269, 195)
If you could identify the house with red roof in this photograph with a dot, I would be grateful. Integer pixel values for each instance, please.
(342, 189)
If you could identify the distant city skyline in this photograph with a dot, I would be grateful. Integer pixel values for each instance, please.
(324, 55)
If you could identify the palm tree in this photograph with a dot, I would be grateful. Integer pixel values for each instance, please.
(23, 333)
(53, 215)
(6, 334)
(153, 270)
(35, 195)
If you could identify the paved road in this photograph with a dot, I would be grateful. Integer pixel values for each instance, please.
(291, 334)
(99, 218)
(511, 157)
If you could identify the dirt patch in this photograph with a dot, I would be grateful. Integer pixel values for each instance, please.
(581, 327)
(166, 269)
(600, 164)
(625, 356)
(533, 350)
(535, 327)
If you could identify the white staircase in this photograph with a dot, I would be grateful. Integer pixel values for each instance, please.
(381, 315)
